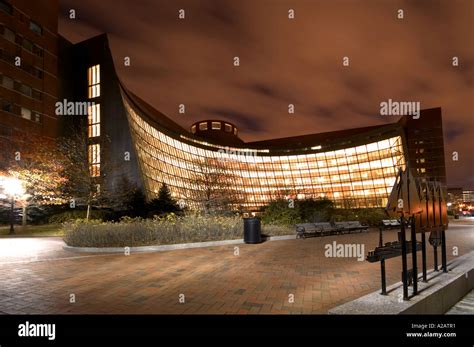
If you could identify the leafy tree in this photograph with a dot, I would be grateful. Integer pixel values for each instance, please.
(37, 162)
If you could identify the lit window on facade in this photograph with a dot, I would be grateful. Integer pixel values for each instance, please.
(228, 127)
(25, 113)
(94, 120)
(353, 177)
(35, 27)
(216, 125)
(235, 131)
(203, 126)
(193, 129)
(94, 160)
(93, 81)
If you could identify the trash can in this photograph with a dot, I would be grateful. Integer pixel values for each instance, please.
(252, 230)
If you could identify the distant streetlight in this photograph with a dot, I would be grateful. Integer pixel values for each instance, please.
(12, 188)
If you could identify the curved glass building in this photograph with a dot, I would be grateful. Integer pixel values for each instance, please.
(210, 164)
(354, 168)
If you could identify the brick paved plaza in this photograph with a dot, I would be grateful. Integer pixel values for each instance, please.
(213, 280)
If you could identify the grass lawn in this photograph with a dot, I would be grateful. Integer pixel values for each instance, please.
(34, 230)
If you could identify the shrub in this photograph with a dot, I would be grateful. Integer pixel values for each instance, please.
(77, 214)
(367, 216)
(170, 229)
(278, 212)
(315, 210)
(371, 216)
(277, 230)
(311, 210)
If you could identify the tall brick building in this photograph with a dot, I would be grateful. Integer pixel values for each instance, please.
(28, 67)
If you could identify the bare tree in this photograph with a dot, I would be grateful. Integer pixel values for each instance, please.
(214, 186)
(84, 182)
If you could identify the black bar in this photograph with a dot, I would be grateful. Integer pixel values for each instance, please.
(12, 216)
(382, 274)
(404, 258)
(443, 251)
(435, 250)
(413, 256)
(423, 254)
(139, 329)
(382, 265)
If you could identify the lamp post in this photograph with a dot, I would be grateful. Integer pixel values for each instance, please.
(13, 188)
(12, 216)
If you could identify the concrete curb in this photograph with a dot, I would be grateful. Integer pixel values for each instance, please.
(162, 248)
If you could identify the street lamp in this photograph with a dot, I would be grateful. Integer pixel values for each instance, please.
(12, 188)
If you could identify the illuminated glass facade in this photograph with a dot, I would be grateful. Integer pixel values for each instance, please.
(134, 145)
(355, 176)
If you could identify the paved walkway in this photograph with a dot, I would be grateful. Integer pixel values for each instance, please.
(261, 279)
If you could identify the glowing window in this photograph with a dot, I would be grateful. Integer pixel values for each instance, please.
(26, 113)
(235, 131)
(216, 125)
(93, 81)
(203, 126)
(193, 129)
(228, 127)
(94, 120)
(94, 160)
(35, 27)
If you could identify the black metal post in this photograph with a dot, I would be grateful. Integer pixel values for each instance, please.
(435, 249)
(423, 254)
(404, 258)
(413, 256)
(382, 274)
(12, 216)
(382, 266)
(443, 251)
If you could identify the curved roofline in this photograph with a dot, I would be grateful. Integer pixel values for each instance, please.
(295, 145)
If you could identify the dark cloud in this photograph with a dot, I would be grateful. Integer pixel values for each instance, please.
(452, 133)
(293, 61)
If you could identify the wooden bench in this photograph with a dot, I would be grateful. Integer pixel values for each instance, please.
(313, 229)
(349, 227)
(390, 224)
(326, 228)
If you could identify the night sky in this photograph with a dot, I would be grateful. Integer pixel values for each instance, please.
(293, 61)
